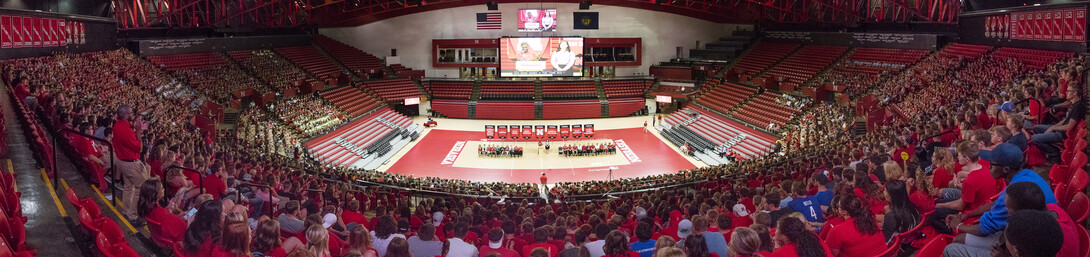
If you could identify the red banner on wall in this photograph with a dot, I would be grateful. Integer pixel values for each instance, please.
(62, 37)
(5, 28)
(514, 131)
(1057, 24)
(35, 30)
(1079, 27)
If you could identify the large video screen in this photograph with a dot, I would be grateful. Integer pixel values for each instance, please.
(541, 57)
(537, 20)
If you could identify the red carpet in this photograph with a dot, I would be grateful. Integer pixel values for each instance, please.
(434, 155)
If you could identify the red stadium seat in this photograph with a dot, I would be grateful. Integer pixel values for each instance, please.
(1079, 207)
(1084, 241)
(894, 248)
(935, 246)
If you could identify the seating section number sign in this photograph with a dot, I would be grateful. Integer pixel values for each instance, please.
(20, 32)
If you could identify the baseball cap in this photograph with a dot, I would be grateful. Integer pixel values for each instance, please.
(740, 210)
(437, 218)
(1006, 154)
(685, 228)
(640, 212)
(328, 220)
(675, 216)
(403, 225)
(1007, 107)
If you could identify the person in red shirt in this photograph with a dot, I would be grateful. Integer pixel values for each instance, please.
(127, 161)
(495, 245)
(859, 235)
(979, 185)
(541, 238)
(215, 184)
(943, 161)
(235, 240)
(166, 226)
(797, 241)
(351, 215)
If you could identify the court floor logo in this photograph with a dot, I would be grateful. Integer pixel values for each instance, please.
(627, 151)
(454, 151)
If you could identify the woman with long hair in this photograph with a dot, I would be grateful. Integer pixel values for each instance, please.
(942, 162)
(902, 215)
(399, 247)
(859, 235)
(744, 242)
(318, 241)
(204, 232)
(764, 233)
(795, 240)
(235, 241)
(359, 241)
(617, 245)
(869, 192)
(695, 246)
(662, 242)
(385, 231)
(267, 240)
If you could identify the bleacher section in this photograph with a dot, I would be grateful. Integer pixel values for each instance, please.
(392, 90)
(800, 67)
(622, 107)
(311, 60)
(406, 72)
(725, 97)
(209, 72)
(764, 109)
(271, 68)
(762, 56)
(451, 108)
(569, 90)
(507, 90)
(966, 51)
(862, 68)
(449, 89)
(625, 88)
(187, 61)
(1032, 59)
(365, 142)
(706, 132)
(505, 110)
(360, 62)
(350, 100)
(571, 109)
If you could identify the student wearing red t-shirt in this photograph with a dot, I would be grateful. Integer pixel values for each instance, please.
(351, 215)
(170, 226)
(495, 245)
(859, 235)
(796, 240)
(541, 238)
(979, 185)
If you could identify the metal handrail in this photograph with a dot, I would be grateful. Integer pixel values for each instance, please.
(268, 203)
(109, 146)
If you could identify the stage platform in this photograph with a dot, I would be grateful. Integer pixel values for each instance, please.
(452, 154)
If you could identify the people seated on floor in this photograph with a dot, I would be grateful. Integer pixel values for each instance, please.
(490, 150)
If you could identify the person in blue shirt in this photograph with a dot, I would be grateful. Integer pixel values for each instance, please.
(824, 196)
(716, 242)
(807, 205)
(977, 240)
(645, 246)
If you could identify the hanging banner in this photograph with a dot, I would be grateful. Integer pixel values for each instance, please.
(514, 132)
(62, 32)
(1080, 25)
(565, 131)
(539, 131)
(501, 131)
(588, 130)
(489, 131)
(527, 131)
(576, 131)
(5, 28)
(551, 131)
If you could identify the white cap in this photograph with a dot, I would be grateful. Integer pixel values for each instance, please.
(436, 218)
(740, 210)
(328, 220)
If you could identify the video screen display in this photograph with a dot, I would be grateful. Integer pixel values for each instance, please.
(541, 57)
(537, 20)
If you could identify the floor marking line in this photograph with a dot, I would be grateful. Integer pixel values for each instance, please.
(53, 193)
(123, 219)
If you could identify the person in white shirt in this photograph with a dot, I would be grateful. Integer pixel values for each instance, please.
(459, 247)
(385, 231)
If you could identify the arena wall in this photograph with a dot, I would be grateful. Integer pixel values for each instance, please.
(412, 34)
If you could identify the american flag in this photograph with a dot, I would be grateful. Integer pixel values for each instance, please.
(489, 20)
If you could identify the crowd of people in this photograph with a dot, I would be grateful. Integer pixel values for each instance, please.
(309, 115)
(491, 150)
(256, 129)
(587, 149)
(220, 80)
(828, 194)
(273, 69)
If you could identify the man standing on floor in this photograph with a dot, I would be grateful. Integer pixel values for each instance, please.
(127, 161)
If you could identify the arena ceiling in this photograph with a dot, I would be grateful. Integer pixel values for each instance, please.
(136, 14)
